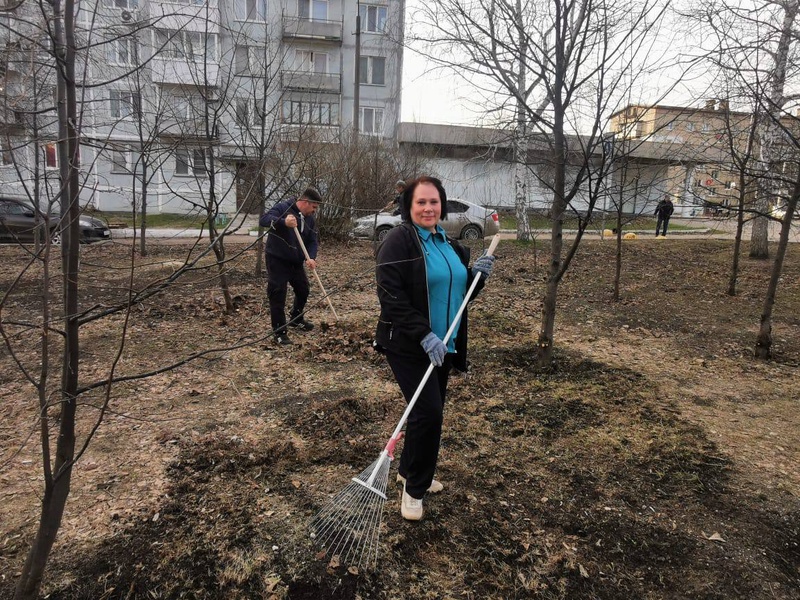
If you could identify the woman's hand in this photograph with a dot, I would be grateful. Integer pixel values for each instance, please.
(435, 348)
(484, 266)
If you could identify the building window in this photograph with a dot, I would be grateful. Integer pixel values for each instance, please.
(714, 174)
(698, 182)
(372, 70)
(371, 120)
(247, 112)
(706, 127)
(6, 157)
(312, 62)
(251, 10)
(50, 155)
(122, 52)
(312, 113)
(121, 4)
(120, 161)
(689, 126)
(191, 161)
(313, 10)
(124, 104)
(246, 60)
(182, 108)
(190, 45)
(730, 185)
(373, 18)
(670, 125)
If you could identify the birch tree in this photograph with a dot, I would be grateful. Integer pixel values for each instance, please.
(549, 70)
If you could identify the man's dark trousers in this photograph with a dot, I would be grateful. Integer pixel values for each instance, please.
(280, 274)
(659, 222)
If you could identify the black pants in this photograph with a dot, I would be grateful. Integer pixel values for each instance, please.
(280, 274)
(662, 221)
(424, 425)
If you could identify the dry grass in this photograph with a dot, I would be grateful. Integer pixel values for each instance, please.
(605, 478)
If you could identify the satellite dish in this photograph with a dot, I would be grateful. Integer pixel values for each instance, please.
(126, 15)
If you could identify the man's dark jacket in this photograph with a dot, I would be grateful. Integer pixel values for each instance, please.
(400, 330)
(282, 241)
(665, 209)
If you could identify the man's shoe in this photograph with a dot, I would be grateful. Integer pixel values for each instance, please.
(283, 339)
(301, 324)
(435, 488)
(410, 508)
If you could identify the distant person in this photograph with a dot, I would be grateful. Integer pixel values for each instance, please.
(663, 212)
(423, 277)
(399, 188)
(285, 260)
(396, 204)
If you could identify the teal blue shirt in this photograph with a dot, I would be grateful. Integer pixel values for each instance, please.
(447, 282)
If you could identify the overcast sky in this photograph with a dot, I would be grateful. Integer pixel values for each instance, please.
(433, 96)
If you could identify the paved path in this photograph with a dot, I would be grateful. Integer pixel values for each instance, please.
(702, 228)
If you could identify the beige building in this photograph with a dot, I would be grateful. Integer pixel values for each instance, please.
(700, 147)
(702, 171)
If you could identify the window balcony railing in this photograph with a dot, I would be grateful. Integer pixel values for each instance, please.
(296, 27)
(313, 82)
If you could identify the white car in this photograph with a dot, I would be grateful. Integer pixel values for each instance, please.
(465, 220)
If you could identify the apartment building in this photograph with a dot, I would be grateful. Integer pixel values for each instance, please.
(191, 103)
(694, 150)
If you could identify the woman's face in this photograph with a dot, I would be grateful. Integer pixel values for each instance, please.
(426, 206)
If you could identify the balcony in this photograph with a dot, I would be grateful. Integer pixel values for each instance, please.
(183, 72)
(193, 128)
(304, 81)
(305, 29)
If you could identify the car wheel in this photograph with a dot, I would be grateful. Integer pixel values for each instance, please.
(381, 233)
(471, 232)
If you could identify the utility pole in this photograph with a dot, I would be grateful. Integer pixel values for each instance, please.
(357, 85)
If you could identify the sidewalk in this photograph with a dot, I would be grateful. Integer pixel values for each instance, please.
(702, 228)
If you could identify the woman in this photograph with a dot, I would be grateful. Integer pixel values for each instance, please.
(423, 278)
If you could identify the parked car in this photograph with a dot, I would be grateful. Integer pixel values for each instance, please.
(18, 224)
(465, 220)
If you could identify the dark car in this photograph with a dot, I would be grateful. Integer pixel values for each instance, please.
(18, 224)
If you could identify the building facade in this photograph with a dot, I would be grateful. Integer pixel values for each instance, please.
(189, 104)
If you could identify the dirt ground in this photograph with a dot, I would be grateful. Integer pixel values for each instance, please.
(656, 460)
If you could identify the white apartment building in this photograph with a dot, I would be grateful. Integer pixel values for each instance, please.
(186, 104)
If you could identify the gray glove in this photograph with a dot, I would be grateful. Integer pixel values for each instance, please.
(435, 348)
(483, 266)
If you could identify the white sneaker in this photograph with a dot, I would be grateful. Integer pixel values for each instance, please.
(435, 487)
(410, 508)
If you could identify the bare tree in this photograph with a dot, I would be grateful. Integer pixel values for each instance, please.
(753, 45)
(574, 55)
(756, 47)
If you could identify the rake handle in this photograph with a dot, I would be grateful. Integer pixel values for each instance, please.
(316, 275)
(395, 435)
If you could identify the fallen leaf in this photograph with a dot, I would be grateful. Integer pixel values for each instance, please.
(714, 537)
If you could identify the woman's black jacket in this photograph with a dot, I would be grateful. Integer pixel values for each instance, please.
(403, 293)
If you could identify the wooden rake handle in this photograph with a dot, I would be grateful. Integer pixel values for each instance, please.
(319, 281)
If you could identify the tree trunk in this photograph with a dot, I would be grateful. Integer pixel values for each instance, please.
(143, 223)
(57, 483)
(521, 139)
(737, 243)
(763, 347)
(759, 236)
(545, 341)
(53, 503)
(618, 258)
